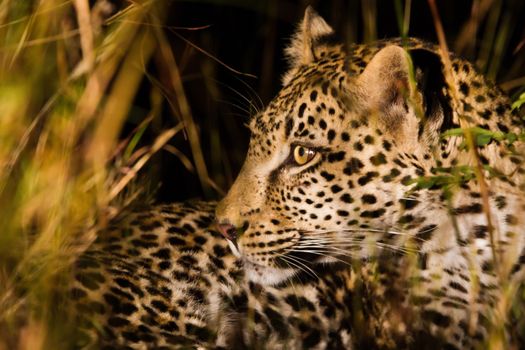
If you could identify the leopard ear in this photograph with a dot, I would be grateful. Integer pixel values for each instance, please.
(386, 87)
(309, 35)
(408, 93)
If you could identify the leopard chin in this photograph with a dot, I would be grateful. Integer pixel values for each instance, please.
(257, 273)
(267, 276)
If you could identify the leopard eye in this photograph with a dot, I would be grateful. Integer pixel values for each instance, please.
(302, 155)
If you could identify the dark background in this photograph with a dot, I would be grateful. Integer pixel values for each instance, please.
(249, 36)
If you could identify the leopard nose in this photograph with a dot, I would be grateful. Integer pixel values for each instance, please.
(227, 230)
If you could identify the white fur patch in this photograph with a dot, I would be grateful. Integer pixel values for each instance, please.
(267, 276)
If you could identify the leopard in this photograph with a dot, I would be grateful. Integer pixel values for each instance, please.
(353, 223)
(163, 277)
(401, 157)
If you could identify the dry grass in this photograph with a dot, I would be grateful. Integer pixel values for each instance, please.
(69, 76)
(66, 93)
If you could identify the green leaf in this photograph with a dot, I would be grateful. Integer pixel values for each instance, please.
(519, 102)
(483, 139)
(511, 137)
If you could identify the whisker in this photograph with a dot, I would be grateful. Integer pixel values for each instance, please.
(321, 253)
(251, 89)
(337, 244)
(301, 266)
(250, 102)
(238, 106)
(318, 233)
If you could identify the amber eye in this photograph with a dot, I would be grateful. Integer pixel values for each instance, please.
(302, 155)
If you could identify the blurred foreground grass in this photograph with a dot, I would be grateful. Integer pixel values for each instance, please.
(69, 73)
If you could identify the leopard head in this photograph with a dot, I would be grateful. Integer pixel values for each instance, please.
(331, 159)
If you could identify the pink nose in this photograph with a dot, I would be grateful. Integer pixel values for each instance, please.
(227, 230)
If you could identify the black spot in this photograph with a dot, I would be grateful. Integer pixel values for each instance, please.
(373, 213)
(480, 98)
(162, 254)
(378, 159)
(408, 204)
(405, 219)
(464, 88)
(363, 180)
(387, 145)
(322, 124)
(312, 339)
(336, 189)
(347, 198)
(475, 208)
(313, 95)
(198, 332)
(327, 176)
(457, 286)
(344, 136)
(400, 163)
(369, 140)
(331, 135)
(500, 109)
(127, 308)
(353, 166)
(176, 241)
(219, 251)
(336, 157)
(288, 126)
(159, 305)
(406, 180)
(502, 127)
(302, 108)
(343, 213)
(324, 87)
(358, 146)
(487, 266)
(501, 202)
(368, 199)
(426, 232)
(187, 261)
(164, 265)
(197, 295)
(122, 282)
(200, 240)
(486, 114)
(480, 231)
(436, 318)
(311, 120)
(299, 302)
(276, 320)
(132, 337)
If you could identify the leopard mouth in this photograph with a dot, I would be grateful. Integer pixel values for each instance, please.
(259, 273)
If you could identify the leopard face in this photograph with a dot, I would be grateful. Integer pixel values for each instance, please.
(330, 169)
(329, 161)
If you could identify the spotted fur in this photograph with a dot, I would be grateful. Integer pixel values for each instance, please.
(162, 278)
(344, 250)
(375, 132)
